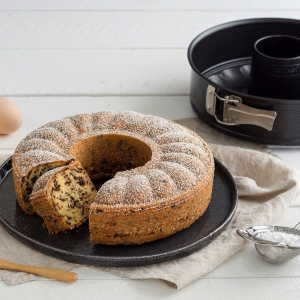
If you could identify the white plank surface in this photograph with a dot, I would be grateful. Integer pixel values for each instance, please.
(103, 52)
(149, 5)
(94, 72)
(119, 29)
(219, 288)
(59, 58)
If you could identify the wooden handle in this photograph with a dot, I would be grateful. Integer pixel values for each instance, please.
(46, 272)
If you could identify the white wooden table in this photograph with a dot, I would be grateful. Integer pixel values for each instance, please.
(59, 58)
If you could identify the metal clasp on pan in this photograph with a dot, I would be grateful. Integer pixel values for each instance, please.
(236, 113)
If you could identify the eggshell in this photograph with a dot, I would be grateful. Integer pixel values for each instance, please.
(10, 117)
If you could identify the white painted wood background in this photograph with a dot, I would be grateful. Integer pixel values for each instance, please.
(58, 58)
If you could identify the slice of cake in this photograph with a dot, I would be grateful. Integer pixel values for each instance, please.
(62, 197)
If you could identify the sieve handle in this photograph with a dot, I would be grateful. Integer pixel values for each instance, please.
(248, 238)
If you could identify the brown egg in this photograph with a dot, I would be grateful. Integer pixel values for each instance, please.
(10, 117)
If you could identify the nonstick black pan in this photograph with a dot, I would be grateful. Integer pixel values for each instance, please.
(220, 59)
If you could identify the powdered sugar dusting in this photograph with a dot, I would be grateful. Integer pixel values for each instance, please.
(183, 178)
(190, 162)
(112, 192)
(129, 121)
(179, 157)
(40, 144)
(82, 122)
(186, 148)
(154, 126)
(178, 136)
(161, 184)
(101, 119)
(147, 125)
(138, 191)
(51, 134)
(26, 161)
(65, 127)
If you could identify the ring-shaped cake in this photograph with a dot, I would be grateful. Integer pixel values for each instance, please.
(160, 175)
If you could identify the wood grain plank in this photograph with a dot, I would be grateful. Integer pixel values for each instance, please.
(162, 5)
(289, 154)
(118, 29)
(94, 72)
(210, 289)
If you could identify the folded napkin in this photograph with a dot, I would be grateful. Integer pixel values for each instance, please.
(266, 187)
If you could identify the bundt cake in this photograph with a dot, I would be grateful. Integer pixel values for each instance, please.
(62, 197)
(160, 174)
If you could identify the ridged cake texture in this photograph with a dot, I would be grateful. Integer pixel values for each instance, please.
(161, 172)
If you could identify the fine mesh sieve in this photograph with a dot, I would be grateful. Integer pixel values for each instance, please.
(275, 252)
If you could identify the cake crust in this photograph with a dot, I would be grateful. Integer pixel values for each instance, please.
(145, 223)
(161, 173)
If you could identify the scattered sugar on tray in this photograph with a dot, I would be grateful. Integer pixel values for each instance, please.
(280, 237)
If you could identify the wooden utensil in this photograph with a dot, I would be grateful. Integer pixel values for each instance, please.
(42, 271)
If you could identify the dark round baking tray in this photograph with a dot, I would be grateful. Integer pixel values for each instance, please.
(74, 246)
(221, 57)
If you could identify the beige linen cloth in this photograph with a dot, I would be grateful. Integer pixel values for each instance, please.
(266, 187)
